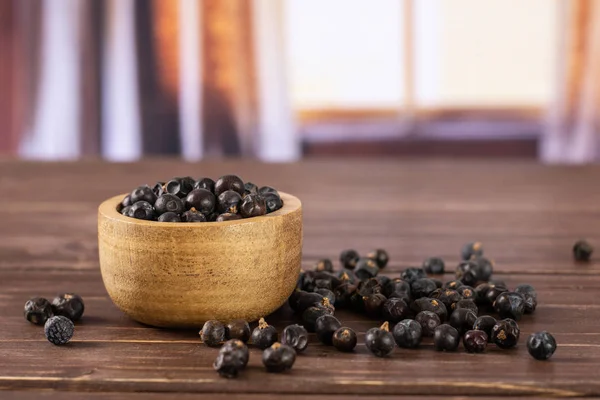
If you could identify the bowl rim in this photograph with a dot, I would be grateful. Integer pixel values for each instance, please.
(108, 209)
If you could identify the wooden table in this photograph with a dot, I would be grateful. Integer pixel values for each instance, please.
(528, 217)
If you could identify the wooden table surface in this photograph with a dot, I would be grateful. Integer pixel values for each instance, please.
(527, 216)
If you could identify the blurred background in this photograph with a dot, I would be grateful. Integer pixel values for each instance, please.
(279, 80)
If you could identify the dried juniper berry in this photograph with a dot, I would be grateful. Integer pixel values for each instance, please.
(302, 300)
(346, 275)
(278, 357)
(428, 321)
(159, 189)
(462, 320)
(238, 329)
(466, 272)
(380, 341)
(485, 268)
(324, 264)
(228, 217)
(485, 323)
(506, 333)
(229, 182)
(475, 341)
(264, 335)
(38, 310)
(446, 338)
(481, 291)
(530, 296)
(68, 305)
(232, 358)
(250, 188)
(202, 200)
(253, 205)
(229, 202)
(366, 268)
(311, 314)
(429, 304)
(295, 336)
(373, 304)
(169, 217)
(582, 250)
(412, 274)
(453, 285)
(344, 339)
(449, 297)
(467, 292)
(408, 334)
(59, 330)
(395, 310)
(369, 286)
(169, 203)
(343, 293)
(187, 184)
(205, 183)
(193, 215)
(325, 326)
(397, 285)
(541, 345)
(213, 333)
(273, 202)
(349, 258)
(142, 210)
(142, 193)
(174, 187)
(510, 305)
(434, 265)
(467, 304)
(493, 292)
(471, 249)
(326, 293)
(380, 257)
(422, 287)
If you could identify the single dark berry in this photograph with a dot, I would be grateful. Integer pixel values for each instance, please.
(168, 203)
(434, 265)
(233, 357)
(59, 330)
(68, 305)
(126, 202)
(453, 285)
(467, 273)
(506, 333)
(273, 202)
(429, 304)
(467, 292)
(344, 339)
(237, 329)
(485, 268)
(541, 345)
(485, 323)
(369, 286)
(228, 217)
(324, 265)
(493, 292)
(462, 320)
(343, 294)
(408, 334)
(325, 326)
(169, 217)
(526, 289)
(481, 291)
(253, 205)
(582, 250)
(250, 188)
(229, 202)
(202, 200)
(395, 310)
(302, 300)
(349, 258)
(467, 304)
(159, 189)
(510, 305)
(446, 338)
(205, 183)
(229, 182)
(475, 341)
(295, 336)
(278, 358)
(422, 287)
(267, 189)
(380, 341)
(326, 293)
(142, 210)
(212, 333)
(264, 335)
(380, 257)
(471, 249)
(412, 274)
(396, 285)
(126, 211)
(447, 296)
(187, 184)
(142, 193)
(530, 304)
(428, 321)
(174, 187)
(193, 215)
(38, 310)
(373, 304)
(311, 314)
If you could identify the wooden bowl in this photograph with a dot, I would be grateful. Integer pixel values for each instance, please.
(183, 274)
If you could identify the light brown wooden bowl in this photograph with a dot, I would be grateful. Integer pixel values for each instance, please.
(183, 274)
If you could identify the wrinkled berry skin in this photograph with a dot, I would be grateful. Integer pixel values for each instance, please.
(428, 304)
(349, 258)
(468, 304)
(474, 249)
(429, 321)
(422, 287)
(541, 345)
(506, 333)
(434, 265)
(278, 358)
(233, 357)
(213, 333)
(380, 256)
(264, 335)
(462, 320)
(380, 341)
(237, 329)
(59, 330)
(253, 205)
(475, 341)
(530, 296)
(38, 310)
(408, 334)
(467, 273)
(68, 305)
(582, 250)
(412, 274)
(295, 336)
(395, 310)
(510, 305)
(446, 338)
(485, 323)
(344, 339)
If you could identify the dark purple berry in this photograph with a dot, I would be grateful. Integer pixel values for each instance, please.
(428, 321)
(169, 203)
(213, 333)
(264, 335)
(408, 334)
(169, 217)
(68, 305)
(380, 341)
(38, 310)
(434, 265)
(278, 358)
(471, 249)
(475, 341)
(541, 345)
(295, 336)
(229, 182)
(325, 326)
(59, 330)
(202, 200)
(506, 333)
(237, 329)
(142, 193)
(446, 338)
(344, 339)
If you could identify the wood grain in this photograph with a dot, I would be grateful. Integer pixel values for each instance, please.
(528, 217)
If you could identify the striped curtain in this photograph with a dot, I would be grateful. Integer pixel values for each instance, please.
(128, 78)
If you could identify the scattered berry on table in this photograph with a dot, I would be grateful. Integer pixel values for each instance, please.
(38, 310)
(582, 250)
(237, 329)
(295, 336)
(475, 341)
(472, 249)
(446, 338)
(434, 265)
(408, 333)
(344, 339)
(380, 341)
(232, 358)
(278, 357)
(506, 333)
(541, 345)
(264, 335)
(485, 323)
(59, 330)
(212, 333)
(68, 305)
(325, 326)
(380, 256)
(429, 321)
